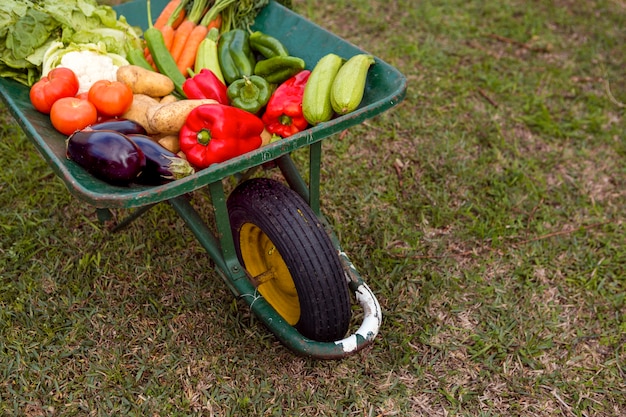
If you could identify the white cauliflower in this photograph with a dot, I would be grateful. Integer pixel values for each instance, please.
(89, 67)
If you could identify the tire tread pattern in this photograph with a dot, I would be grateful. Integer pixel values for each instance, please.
(306, 248)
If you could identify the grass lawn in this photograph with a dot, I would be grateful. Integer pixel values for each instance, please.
(486, 212)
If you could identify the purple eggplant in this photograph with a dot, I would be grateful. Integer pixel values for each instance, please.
(161, 165)
(107, 155)
(121, 125)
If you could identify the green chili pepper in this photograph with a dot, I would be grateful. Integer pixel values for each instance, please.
(249, 93)
(235, 56)
(267, 45)
(279, 68)
(163, 59)
(137, 57)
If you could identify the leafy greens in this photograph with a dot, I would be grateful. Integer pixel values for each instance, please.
(29, 27)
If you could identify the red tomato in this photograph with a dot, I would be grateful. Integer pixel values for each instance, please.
(69, 114)
(111, 98)
(59, 83)
(61, 72)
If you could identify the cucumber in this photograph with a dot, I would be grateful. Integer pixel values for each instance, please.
(316, 106)
(348, 87)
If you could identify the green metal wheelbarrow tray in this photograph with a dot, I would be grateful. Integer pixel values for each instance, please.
(385, 88)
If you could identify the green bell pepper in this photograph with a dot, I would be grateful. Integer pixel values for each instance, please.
(236, 58)
(249, 93)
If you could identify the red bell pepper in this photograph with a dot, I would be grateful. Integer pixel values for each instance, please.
(216, 132)
(283, 113)
(205, 84)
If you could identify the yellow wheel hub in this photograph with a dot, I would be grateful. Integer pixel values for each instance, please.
(269, 272)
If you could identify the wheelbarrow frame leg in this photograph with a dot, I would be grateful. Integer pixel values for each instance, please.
(311, 192)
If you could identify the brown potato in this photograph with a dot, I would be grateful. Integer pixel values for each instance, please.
(138, 110)
(170, 98)
(266, 137)
(168, 119)
(170, 142)
(143, 81)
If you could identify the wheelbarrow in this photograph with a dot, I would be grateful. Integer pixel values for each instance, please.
(270, 242)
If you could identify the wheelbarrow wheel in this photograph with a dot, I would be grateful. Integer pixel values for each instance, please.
(290, 258)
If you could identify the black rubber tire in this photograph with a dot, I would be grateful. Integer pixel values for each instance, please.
(311, 258)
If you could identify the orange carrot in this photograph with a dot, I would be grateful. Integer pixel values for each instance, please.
(168, 36)
(166, 13)
(146, 53)
(215, 23)
(180, 38)
(188, 55)
(184, 30)
(177, 16)
(179, 19)
(212, 18)
(150, 60)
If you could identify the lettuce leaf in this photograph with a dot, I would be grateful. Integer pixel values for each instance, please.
(29, 32)
(28, 28)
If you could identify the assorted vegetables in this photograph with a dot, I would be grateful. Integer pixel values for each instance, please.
(198, 89)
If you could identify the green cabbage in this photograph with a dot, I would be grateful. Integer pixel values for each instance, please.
(28, 28)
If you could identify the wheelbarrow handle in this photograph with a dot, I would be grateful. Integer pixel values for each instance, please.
(372, 313)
